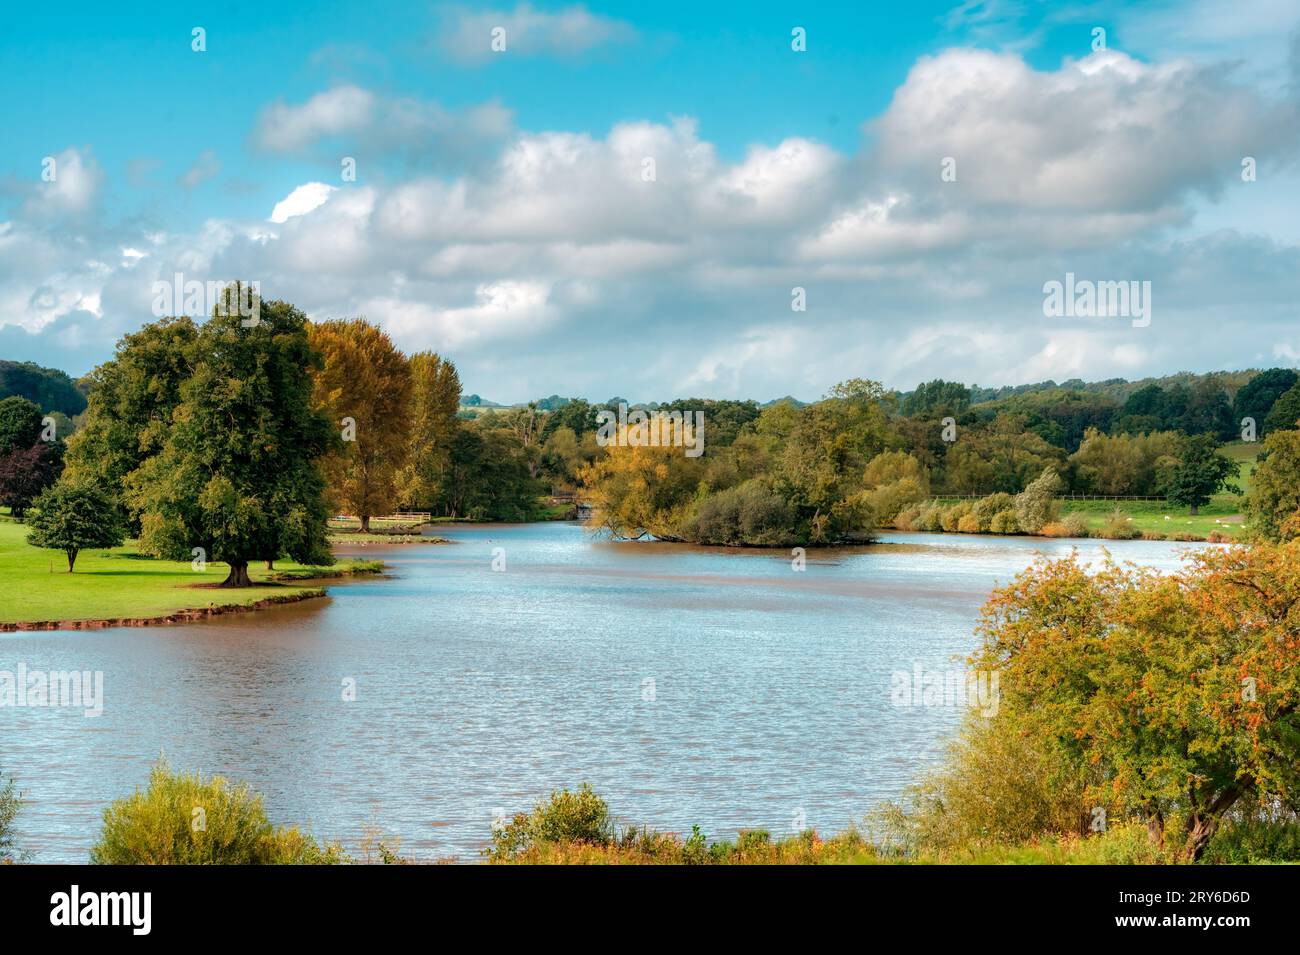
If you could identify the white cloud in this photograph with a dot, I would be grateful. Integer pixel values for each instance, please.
(302, 200)
(555, 264)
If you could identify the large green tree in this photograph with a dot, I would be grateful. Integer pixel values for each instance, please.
(1201, 473)
(132, 399)
(239, 473)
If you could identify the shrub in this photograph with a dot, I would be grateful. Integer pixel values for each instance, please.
(1219, 537)
(181, 819)
(930, 518)
(986, 508)
(1076, 524)
(1119, 527)
(969, 524)
(1255, 838)
(953, 515)
(888, 500)
(1054, 529)
(1036, 505)
(750, 513)
(10, 803)
(567, 817)
(994, 785)
(906, 520)
(1005, 523)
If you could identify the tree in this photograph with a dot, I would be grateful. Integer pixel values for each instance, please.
(239, 472)
(1273, 507)
(71, 517)
(28, 464)
(1285, 412)
(20, 424)
(1036, 505)
(25, 473)
(1170, 697)
(937, 398)
(1256, 397)
(132, 399)
(1123, 463)
(435, 399)
(1201, 472)
(364, 387)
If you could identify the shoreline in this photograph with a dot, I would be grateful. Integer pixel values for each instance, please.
(192, 615)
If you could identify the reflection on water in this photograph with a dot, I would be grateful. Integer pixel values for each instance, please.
(479, 691)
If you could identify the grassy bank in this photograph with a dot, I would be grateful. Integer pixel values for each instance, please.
(347, 530)
(118, 582)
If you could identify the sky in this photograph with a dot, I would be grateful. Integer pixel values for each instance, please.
(727, 200)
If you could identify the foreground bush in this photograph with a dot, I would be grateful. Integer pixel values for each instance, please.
(181, 819)
(1129, 697)
(10, 803)
(575, 828)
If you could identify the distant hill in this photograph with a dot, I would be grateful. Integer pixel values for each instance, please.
(50, 388)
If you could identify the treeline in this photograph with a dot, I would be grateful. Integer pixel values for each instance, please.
(180, 407)
(863, 458)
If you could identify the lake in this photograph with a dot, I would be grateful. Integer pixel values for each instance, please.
(688, 685)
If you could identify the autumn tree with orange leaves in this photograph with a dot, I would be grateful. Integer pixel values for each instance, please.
(1172, 698)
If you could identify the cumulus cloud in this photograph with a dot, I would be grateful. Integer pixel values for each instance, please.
(643, 261)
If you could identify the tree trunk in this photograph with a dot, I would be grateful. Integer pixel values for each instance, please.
(270, 565)
(238, 576)
(72, 558)
(1156, 828)
(1194, 510)
(1198, 836)
(365, 523)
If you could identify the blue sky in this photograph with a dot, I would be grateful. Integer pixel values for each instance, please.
(497, 215)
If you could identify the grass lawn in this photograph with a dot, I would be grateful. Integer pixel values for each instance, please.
(1149, 516)
(116, 582)
(1222, 514)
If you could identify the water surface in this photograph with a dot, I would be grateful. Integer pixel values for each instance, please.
(477, 691)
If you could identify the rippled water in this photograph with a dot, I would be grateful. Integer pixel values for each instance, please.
(479, 691)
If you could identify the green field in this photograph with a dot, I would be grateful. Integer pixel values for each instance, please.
(1157, 517)
(117, 582)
